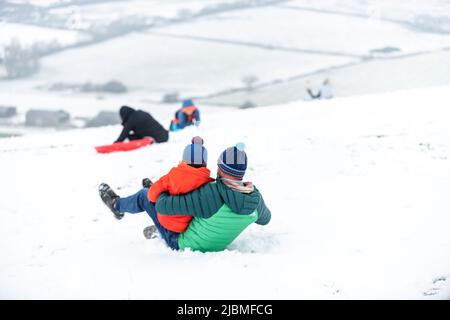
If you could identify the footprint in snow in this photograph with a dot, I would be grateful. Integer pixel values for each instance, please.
(332, 288)
(438, 284)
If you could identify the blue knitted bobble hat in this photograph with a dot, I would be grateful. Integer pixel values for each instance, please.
(195, 153)
(233, 161)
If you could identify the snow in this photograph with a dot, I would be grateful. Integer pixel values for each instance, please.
(301, 29)
(368, 77)
(356, 186)
(159, 65)
(304, 39)
(40, 3)
(282, 45)
(396, 11)
(29, 35)
(102, 12)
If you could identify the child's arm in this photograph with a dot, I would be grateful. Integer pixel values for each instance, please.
(159, 186)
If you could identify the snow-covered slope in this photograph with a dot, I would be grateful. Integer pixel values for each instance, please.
(208, 49)
(30, 35)
(289, 27)
(357, 188)
(160, 64)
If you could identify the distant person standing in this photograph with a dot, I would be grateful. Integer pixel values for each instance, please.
(324, 92)
(188, 115)
(138, 124)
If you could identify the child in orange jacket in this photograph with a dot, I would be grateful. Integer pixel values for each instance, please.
(190, 174)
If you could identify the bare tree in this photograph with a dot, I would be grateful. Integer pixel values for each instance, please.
(20, 61)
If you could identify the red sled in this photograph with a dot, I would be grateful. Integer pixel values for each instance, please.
(124, 146)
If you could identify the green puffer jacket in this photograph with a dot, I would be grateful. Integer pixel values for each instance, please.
(220, 215)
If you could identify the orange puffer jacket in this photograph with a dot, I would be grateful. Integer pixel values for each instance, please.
(179, 180)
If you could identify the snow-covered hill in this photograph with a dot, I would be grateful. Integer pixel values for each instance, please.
(357, 188)
(209, 49)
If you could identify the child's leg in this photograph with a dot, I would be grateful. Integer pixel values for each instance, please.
(312, 95)
(139, 203)
(134, 203)
(170, 237)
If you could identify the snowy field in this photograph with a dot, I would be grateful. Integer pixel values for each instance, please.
(356, 185)
(314, 31)
(369, 77)
(415, 13)
(194, 68)
(29, 35)
(205, 50)
(357, 189)
(100, 12)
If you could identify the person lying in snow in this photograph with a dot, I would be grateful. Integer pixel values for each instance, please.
(221, 210)
(138, 124)
(188, 115)
(190, 174)
(325, 91)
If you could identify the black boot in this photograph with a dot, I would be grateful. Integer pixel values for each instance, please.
(147, 183)
(109, 197)
(150, 232)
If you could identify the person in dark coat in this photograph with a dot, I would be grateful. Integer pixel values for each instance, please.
(138, 124)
